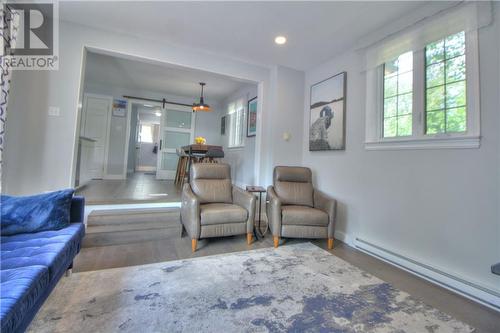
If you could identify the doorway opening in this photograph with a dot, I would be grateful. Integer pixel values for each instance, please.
(129, 147)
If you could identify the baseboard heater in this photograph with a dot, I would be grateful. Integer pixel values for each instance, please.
(473, 291)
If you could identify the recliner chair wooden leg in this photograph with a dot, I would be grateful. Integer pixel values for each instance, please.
(194, 243)
(330, 243)
(249, 238)
(276, 240)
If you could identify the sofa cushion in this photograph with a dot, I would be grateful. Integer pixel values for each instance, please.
(303, 215)
(21, 289)
(218, 213)
(52, 249)
(48, 211)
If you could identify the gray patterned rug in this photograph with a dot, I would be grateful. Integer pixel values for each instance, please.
(294, 288)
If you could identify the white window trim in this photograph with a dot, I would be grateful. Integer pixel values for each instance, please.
(374, 107)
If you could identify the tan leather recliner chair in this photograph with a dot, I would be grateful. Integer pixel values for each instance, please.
(212, 207)
(295, 209)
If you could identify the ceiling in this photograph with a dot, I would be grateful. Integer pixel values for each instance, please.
(316, 31)
(142, 76)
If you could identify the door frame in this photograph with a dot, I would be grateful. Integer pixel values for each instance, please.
(108, 127)
(131, 101)
(170, 175)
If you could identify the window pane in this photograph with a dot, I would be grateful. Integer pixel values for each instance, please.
(404, 125)
(435, 122)
(391, 68)
(174, 140)
(455, 94)
(180, 119)
(456, 120)
(404, 104)
(405, 82)
(390, 106)
(446, 85)
(455, 45)
(391, 86)
(398, 95)
(390, 127)
(434, 52)
(435, 75)
(405, 62)
(435, 98)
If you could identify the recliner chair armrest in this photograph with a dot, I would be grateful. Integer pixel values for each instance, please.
(273, 210)
(190, 212)
(327, 205)
(246, 200)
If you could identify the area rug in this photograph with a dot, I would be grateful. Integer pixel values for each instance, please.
(296, 288)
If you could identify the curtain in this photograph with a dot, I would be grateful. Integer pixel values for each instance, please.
(466, 17)
(10, 24)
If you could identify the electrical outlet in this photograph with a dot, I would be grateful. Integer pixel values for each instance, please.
(54, 111)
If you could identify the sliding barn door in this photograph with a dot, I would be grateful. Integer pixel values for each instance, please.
(176, 130)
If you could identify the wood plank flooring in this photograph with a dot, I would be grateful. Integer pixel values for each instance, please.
(137, 188)
(480, 317)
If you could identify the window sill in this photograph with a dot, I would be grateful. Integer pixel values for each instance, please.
(425, 143)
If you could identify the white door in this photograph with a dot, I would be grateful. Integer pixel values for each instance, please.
(176, 130)
(95, 125)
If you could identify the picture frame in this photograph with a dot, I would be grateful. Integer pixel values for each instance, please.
(327, 119)
(252, 117)
(119, 107)
(223, 125)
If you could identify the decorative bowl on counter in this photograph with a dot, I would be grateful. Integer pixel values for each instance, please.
(200, 140)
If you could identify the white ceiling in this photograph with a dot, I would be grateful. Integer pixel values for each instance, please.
(316, 31)
(141, 76)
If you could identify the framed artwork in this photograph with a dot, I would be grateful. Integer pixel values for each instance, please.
(252, 117)
(223, 125)
(119, 107)
(327, 114)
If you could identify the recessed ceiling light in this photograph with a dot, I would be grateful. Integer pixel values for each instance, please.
(280, 40)
(158, 113)
(149, 105)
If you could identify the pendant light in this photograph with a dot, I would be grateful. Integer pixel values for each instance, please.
(201, 106)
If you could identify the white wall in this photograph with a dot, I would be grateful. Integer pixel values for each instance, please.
(32, 135)
(439, 207)
(241, 159)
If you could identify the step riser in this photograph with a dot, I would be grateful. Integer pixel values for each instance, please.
(131, 226)
(127, 237)
(99, 220)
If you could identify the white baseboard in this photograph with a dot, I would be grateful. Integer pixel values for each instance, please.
(452, 282)
(343, 237)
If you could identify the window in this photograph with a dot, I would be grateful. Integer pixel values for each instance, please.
(236, 119)
(427, 97)
(445, 104)
(146, 133)
(398, 96)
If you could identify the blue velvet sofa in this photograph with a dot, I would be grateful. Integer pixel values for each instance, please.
(32, 264)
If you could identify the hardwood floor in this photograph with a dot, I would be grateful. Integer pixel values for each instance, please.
(480, 317)
(138, 187)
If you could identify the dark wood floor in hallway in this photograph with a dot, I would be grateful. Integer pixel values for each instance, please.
(483, 319)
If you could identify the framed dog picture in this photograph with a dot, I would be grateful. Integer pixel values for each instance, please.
(327, 114)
